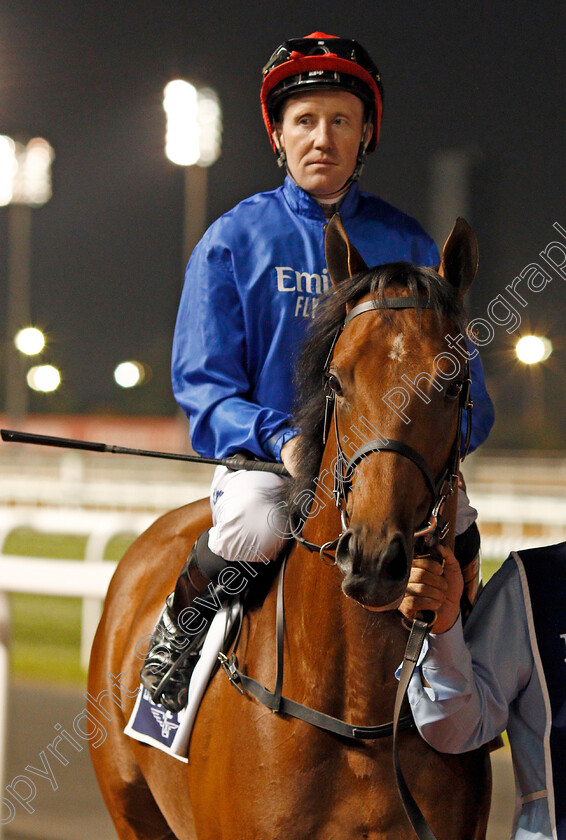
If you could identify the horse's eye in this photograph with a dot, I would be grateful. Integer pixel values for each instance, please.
(454, 390)
(333, 383)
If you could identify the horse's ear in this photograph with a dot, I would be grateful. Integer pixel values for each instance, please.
(342, 259)
(459, 261)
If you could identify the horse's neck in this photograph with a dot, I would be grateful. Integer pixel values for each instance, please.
(337, 649)
(360, 649)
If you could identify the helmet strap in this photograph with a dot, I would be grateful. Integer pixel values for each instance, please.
(281, 156)
(362, 151)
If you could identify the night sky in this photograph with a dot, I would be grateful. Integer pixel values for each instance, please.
(107, 249)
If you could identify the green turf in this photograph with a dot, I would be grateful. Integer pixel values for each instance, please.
(30, 543)
(45, 642)
(488, 567)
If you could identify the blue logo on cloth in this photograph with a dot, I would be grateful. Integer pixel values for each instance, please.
(155, 722)
(165, 720)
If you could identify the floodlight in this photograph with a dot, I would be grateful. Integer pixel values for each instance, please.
(44, 378)
(532, 349)
(194, 124)
(30, 341)
(129, 374)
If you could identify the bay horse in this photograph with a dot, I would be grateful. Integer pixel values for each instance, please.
(253, 774)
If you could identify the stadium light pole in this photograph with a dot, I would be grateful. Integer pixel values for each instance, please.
(532, 351)
(25, 183)
(192, 140)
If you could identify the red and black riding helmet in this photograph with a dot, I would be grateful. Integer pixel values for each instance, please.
(321, 61)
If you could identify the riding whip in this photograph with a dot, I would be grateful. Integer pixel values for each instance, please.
(233, 462)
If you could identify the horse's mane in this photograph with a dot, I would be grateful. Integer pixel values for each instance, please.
(309, 409)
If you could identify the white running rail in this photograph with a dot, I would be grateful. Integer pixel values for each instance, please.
(85, 578)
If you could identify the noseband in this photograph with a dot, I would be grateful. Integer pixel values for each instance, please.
(439, 489)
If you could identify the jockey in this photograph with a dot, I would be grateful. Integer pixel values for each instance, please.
(505, 670)
(251, 289)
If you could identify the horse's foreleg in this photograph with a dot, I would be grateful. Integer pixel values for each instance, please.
(127, 796)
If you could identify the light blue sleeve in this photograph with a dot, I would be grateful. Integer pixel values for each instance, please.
(461, 691)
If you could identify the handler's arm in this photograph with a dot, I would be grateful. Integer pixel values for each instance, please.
(461, 691)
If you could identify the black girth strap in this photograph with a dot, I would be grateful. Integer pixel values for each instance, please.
(275, 701)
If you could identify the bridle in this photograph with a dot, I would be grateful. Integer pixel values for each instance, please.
(440, 489)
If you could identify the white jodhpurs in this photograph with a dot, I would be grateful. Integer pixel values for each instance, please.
(241, 502)
(466, 514)
(242, 509)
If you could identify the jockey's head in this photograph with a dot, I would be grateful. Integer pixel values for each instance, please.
(330, 74)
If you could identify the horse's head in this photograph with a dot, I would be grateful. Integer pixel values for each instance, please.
(396, 381)
(396, 369)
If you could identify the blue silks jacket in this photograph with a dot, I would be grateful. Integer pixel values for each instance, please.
(251, 289)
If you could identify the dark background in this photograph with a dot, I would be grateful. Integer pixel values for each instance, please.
(107, 249)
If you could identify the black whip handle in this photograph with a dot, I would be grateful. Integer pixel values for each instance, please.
(233, 462)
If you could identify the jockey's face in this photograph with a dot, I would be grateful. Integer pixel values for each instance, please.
(320, 132)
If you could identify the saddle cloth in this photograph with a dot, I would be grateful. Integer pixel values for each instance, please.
(152, 724)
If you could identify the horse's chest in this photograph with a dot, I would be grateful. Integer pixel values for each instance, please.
(360, 765)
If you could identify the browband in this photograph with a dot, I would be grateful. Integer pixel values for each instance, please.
(388, 303)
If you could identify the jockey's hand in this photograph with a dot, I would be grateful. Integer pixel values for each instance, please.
(288, 455)
(432, 587)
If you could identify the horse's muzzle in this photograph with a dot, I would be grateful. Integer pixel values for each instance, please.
(377, 579)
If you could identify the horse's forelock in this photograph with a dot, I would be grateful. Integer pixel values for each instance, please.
(309, 407)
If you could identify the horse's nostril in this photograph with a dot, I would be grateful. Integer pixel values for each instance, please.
(395, 561)
(344, 549)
